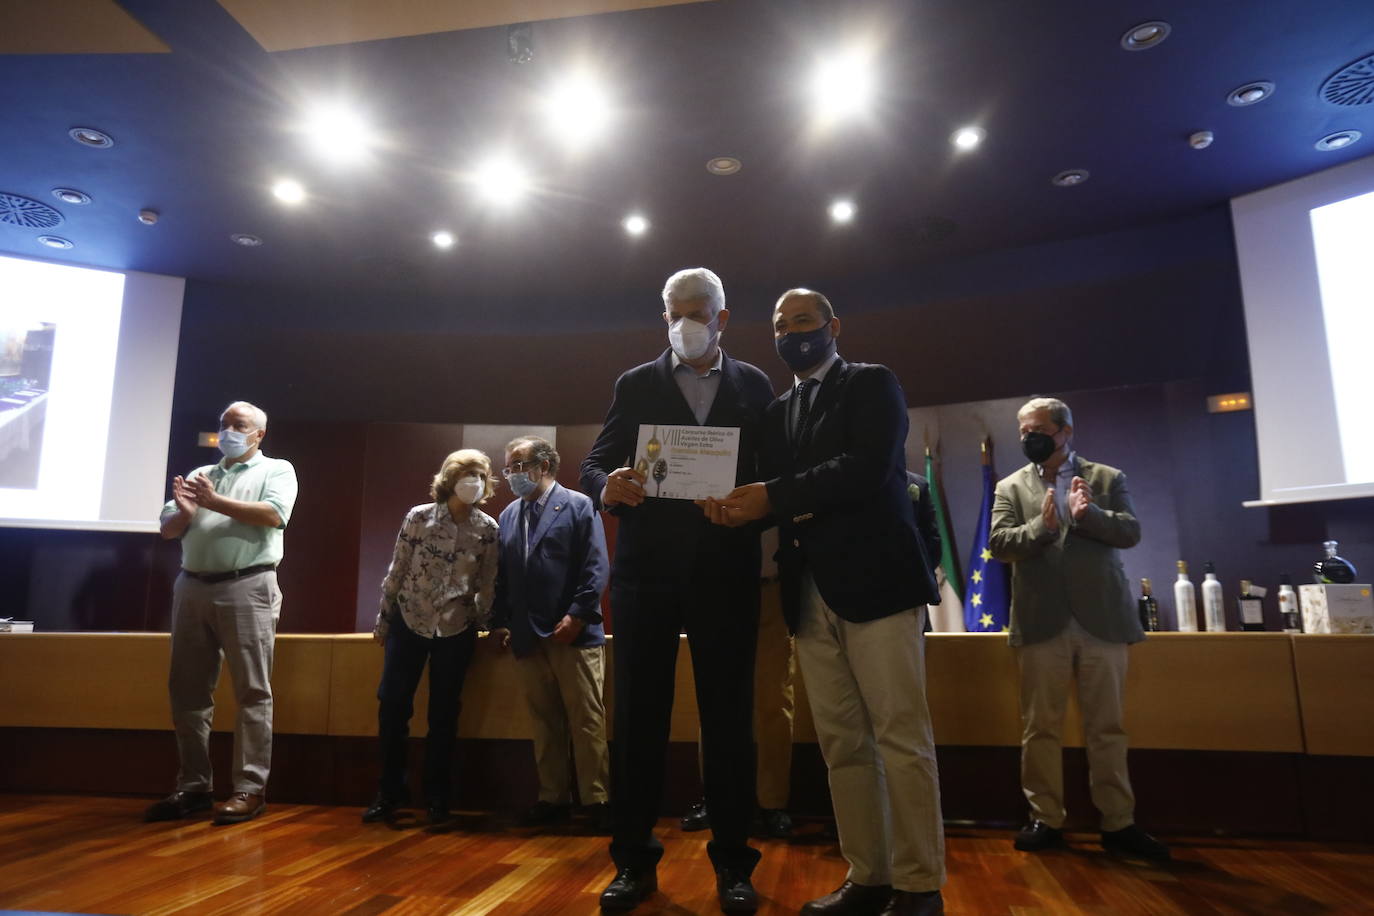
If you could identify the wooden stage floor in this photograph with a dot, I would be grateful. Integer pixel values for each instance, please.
(93, 855)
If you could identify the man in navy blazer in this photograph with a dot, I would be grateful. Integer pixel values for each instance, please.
(549, 581)
(856, 579)
(674, 571)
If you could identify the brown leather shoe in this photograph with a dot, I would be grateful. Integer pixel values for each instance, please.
(239, 807)
(911, 903)
(850, 899)
(178, 805)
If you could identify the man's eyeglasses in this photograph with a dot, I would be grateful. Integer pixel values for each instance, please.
(519, 466)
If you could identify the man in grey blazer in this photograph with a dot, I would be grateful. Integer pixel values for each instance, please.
(1060, 522)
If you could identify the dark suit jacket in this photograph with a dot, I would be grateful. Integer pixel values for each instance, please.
(1074, 572)
(666, 540)
(841, 500)
(565, 572)
(918, 488)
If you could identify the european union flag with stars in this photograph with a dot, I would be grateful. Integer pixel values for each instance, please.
(987, 598)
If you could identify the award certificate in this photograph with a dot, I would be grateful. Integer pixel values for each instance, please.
(687, 462)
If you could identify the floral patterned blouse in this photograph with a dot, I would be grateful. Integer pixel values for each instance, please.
(443, 573)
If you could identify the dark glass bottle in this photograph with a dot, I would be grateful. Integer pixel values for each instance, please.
(1331, 569)
(1250, 608)
(1148, 607)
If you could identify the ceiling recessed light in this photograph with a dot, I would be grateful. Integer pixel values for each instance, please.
(92, 137)
(1250, 93)
(501, 181)
(338, 134)
(443, 239)
(1339, 140)
(967, 138)
(842, 211)
(1201, 139)
(723, 165)
(1146, 35)
(71, 196)
(842, 86)
(54, 241)
(1070, 177)
(636, 224)
(288, 191)
(577, 110)
(245, 240)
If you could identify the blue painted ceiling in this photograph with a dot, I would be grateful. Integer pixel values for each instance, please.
(202, 131)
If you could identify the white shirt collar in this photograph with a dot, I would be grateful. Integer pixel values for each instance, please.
(819, 374)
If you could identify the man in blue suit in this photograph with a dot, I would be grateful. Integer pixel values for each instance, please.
(549, 582)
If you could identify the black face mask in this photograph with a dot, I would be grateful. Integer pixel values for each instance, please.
(1038, 447)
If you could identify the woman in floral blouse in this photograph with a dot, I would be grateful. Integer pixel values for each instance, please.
(435, 597)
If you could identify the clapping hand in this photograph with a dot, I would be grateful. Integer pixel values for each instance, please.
(1049, 511)
(184, 496)
(1080, 498)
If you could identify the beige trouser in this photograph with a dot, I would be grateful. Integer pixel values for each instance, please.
(775, 671)
(1100, 669)
(563, 690)
(867, 687)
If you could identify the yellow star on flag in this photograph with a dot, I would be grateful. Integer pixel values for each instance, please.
(977, 575)
(977, 600)
(986, 554)
(1005, 628)
(985, 621)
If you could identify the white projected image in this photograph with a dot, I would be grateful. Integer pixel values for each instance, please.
(54, 429)
(1345, 270)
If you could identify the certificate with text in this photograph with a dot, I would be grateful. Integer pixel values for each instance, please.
(687, 462)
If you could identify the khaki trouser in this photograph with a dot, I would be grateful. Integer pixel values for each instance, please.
(563, 690)
(1100, 669)
(867, 687)
(775, 671)
(234, 621)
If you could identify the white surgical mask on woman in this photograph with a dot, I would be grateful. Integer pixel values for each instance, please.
(690, 339)
(469, 489)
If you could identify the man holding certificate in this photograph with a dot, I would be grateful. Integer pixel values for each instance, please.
(855, 582)
(682, 427)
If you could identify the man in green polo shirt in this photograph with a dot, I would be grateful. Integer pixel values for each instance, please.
(230, 518)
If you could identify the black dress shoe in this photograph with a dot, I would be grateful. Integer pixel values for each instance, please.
(178, 805)
(912, 903)
(630, 887)
(381, 809)
(737, 894)
(1038, 835)
(436, 812)
(543, 813)
(850, 899)
(1134, 843)
(696, 817)
(773, 822)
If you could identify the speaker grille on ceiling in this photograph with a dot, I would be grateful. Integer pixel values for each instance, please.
(1353, 84)
(27, 212)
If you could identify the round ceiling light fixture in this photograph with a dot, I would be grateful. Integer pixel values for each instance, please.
(842, 211)
(288, 191)
(71, 196)
(55, 241)
(723, 165)
(968, 138)
(636, 224)
(1070, 177)
(1146, 35)
(93, 137)
(1339, 140)
(443, 239)
(1201, 139)
(244, 240)
(1250, 93)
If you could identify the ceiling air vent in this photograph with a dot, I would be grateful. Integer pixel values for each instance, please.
(26, 212)
(1353, 84)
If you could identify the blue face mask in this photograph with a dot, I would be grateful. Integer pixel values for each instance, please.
(523, 483)
(802, 350)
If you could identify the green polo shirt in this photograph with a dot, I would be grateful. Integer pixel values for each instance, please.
(216, 543)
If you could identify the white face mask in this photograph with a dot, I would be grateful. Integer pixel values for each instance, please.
(469, 489)
(232, 443)
(691, 340)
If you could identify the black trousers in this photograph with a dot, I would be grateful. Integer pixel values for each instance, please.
(406, 654)
(721, 623)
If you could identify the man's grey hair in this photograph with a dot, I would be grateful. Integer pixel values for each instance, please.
(1060, 415)
(541, 449)
(257, 413)
(693, 284)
